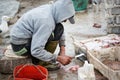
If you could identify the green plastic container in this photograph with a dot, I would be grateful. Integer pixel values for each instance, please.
(80, 5)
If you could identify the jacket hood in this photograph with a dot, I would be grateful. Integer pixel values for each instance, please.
(63, 9)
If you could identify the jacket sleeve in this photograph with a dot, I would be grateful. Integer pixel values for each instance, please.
(39, 40)
(62, 40)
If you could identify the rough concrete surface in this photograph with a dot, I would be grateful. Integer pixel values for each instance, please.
(82, 29)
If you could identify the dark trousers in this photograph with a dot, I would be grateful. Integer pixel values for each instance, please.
(28, 53)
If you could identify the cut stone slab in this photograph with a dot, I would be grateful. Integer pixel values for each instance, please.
(8, 8)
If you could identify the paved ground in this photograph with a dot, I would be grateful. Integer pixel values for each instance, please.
(82, 29)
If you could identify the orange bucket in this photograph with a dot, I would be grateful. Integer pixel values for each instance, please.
(30, 72)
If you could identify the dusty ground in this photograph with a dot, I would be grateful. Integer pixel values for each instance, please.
(26, 5)
(81, 30)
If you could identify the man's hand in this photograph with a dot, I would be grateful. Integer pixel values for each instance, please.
(64, 59)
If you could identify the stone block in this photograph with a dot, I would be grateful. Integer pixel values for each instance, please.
(115, 11)
(110, 2)
(113, 30)
(117, 2)
(110, 20)
(117, 19)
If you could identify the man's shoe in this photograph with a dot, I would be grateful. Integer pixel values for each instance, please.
(50, 66)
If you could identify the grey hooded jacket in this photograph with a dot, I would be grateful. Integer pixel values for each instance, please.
(38, 24)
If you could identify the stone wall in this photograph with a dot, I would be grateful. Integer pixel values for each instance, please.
(113, 16)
